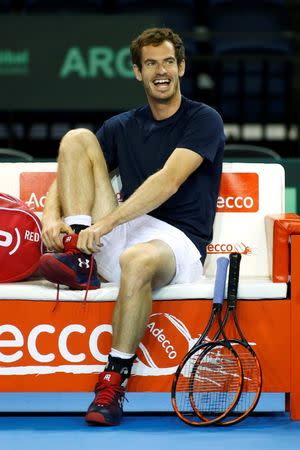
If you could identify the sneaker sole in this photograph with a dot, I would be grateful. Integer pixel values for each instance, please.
(94, 418)
(56, 272)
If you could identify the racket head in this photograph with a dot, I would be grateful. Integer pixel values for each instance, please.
(252, 384)
(252, 375)
(191, 392)
(207, 384)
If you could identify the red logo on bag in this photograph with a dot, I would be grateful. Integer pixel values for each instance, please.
(20, 240)
(34, 187)
(239, 192)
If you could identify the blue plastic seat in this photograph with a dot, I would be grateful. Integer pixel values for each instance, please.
(254, 75)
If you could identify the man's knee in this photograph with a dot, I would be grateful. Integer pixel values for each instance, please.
(137, 265)
(75, 141)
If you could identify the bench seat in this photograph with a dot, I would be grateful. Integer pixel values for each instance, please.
(60, 347)
(249, 288)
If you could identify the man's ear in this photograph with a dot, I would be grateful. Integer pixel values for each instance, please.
(181, 68)
(137, 72)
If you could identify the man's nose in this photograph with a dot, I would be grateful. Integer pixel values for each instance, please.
(161, 67)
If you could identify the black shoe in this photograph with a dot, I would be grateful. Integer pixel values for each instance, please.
(107, 406)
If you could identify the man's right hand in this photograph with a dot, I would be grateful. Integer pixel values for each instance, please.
(51, 233)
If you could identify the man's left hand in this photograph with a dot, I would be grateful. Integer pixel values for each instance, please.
(89, 240)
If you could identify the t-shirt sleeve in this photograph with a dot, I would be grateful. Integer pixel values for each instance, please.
(106, 138)
(203, 134)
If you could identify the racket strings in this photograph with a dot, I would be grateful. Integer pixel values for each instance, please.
(209, 384)
(251, 388)
(252, 380)
(182, 401)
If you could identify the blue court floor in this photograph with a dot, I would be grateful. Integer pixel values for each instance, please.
(156, 432)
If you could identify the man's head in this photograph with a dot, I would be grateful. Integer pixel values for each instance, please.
(155, 37)
(158, 61)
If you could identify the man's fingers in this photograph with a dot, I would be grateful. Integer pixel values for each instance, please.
(66, 229)
(82, 242)
(88, 241)
(52, 239)
(46, 241)
(97, 242)
(57, 243)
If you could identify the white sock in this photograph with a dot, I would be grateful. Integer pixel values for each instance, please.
(117, 354)
(80, 219)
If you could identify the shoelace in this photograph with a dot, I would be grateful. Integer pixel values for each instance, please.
(107, 394)
(86, 289)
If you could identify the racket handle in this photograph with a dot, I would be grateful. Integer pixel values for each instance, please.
(233, 278)
(220, 282)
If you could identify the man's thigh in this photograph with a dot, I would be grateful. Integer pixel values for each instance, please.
(168, 241)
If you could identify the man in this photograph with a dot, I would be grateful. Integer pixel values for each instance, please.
(169, 154)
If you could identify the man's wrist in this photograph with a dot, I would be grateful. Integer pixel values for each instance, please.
(114, 218)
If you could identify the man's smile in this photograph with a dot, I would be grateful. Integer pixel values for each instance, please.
(162, 83)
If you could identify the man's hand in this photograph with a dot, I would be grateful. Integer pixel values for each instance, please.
(51, 233)
(89, 240)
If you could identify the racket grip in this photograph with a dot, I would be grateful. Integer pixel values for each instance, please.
(233, 278)
(220, 282)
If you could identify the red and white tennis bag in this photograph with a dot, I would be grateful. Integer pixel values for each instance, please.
(20, 239)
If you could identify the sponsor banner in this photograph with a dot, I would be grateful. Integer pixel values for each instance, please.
(34, 188)
(227, 248)
(42, 350)
(239, 193)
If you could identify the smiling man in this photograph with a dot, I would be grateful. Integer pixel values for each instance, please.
(169, 154)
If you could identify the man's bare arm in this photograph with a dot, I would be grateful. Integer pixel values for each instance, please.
(157, 189)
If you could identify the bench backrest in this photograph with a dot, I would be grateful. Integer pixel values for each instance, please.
(248, 193)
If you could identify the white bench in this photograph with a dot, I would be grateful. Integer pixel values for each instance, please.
(75, 338)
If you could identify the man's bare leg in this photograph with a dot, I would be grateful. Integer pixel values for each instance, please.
(83, 192)
(83, 181)
(143, 267)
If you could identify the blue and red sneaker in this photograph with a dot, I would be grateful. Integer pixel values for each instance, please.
(71, 268)
(107, 406)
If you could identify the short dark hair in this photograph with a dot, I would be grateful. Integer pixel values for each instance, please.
(156, 36)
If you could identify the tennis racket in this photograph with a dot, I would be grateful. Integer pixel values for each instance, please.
(252, 376)
(208, 381)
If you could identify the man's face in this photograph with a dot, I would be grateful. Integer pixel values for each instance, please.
(160, 72)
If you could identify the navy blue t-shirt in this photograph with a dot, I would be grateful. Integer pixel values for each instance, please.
(139, 146)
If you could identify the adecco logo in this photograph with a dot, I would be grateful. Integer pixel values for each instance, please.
(73, 348)
(222, 248)
(239, 192)
(34, 187)
(166, 340)
(34, 345)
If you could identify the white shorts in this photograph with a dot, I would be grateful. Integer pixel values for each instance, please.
(144, 229)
